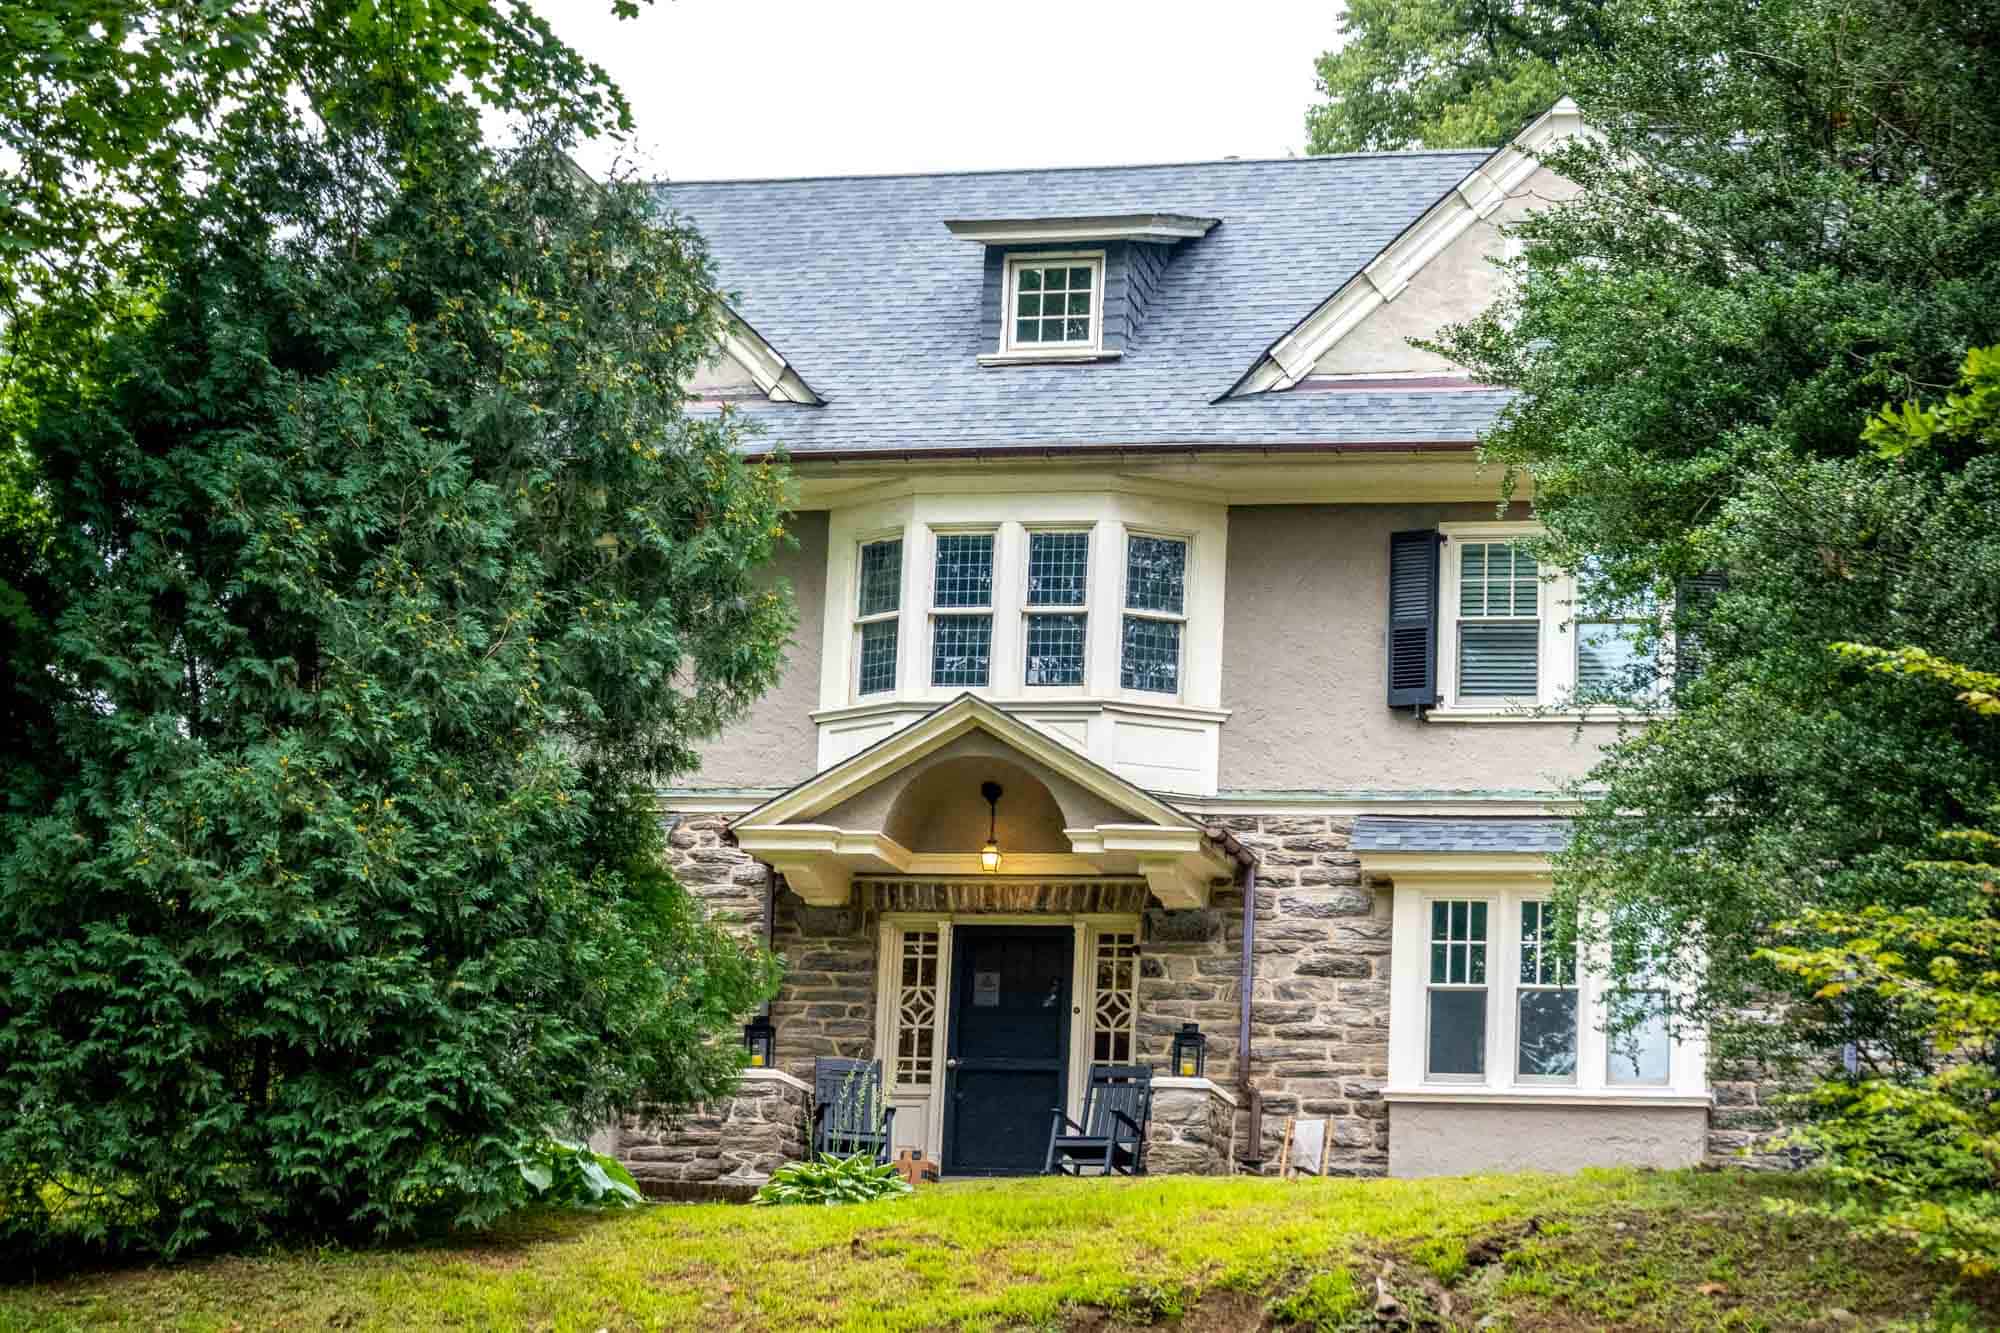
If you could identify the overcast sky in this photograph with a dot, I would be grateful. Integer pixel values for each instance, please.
(732, 88)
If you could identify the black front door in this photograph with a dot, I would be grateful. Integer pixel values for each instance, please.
(1007, 1056)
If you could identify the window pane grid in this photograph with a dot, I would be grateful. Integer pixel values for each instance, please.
(1055, 650)
(1455, 1040)
(1114, 1011)
(1546, 1006)
(962, 650)
(1058, 568)
(916, 1008)
(1155, 574)
(1497, 580)
(964, 574)
(878, 656)
(1052, 303)
(1151, 656)
(881, 577)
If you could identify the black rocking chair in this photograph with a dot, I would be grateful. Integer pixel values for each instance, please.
(849, 1115)
(1117, 1107)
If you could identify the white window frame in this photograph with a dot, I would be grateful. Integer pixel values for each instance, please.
(1488, 988)
(1409, 1015)
(1010, 290)
(1125, 609)
(935, 532)
(1093, 581)
(895, 613)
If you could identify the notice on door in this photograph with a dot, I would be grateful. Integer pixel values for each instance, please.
(985, 990)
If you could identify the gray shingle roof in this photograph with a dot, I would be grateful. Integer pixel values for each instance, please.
(857, 283)
(1381, 833)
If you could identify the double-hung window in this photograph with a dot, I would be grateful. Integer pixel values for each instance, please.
(1058, 588)
(1638, 1045)
(1545, 1003)
(962, 609)
(1155, 614)
(879, 603)
(1053, 302)
(1456, 991)
(1613, 663)
(1499, 621)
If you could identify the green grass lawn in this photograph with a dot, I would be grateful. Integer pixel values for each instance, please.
(1603, 1250)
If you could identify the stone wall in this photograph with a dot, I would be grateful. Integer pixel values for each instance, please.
(725, 1148)
(1193, 1128)
(1319, 1016)
(827, 1005)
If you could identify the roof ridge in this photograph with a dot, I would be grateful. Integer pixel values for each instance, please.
(1482, 153)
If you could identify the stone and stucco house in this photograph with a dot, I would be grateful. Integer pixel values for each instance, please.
(1125, 489)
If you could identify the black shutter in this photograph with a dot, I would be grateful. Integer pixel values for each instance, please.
(1694, 600)
(1413, 611)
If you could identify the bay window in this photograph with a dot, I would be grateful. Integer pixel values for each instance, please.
(879, 604)
(1455, 1030)
(962, 609)
(1058, 577)
(1155, 612)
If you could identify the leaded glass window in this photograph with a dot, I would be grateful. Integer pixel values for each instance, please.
(1546, 1002)
(1058, 568)
(916, 1008)
(964, 569)
(1055, 650)
(1114, 1006)
(1054, 303)
(878, 604)
(961, 650)
(1499, 625)
(1455, 1040)
(1149, 655)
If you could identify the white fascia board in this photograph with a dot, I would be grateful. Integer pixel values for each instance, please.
(1413, 867)
(1384, 278)
(1161, 228)
(772, 373)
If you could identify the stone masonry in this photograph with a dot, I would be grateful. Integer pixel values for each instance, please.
(1193, 1129)
(726, 1148)
(1320, 1003)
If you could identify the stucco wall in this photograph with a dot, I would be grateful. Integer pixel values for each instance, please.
(1303, 661)
(1457, 284)
(775, 744)
(1429, 1139)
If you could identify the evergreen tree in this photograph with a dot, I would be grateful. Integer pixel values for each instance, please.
(383, 572)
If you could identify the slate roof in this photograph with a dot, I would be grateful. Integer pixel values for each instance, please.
(859, 286)
(1382, 833)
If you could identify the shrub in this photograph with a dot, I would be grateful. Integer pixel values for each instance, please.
(831, 1179)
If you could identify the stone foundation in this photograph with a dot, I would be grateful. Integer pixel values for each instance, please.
(726, 1148)
(1193, 1128)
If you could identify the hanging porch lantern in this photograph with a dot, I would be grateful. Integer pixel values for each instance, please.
(1190, 1051)
(989, 855)
(758, 1038)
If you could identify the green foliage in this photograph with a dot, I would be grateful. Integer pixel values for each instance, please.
(1445, 73)
(1786, 219)
(565, 1174)
(110, 107)
(384, 574)
(1916, 1150)
(1325, 1300)
(830, 1179)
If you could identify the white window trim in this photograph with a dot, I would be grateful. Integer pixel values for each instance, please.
(1093, 585)
(1409, 1008)
(895, 613)
(1125, 609)
(1556, 650)
(1010, 289)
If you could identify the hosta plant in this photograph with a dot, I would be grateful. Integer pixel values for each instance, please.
(832, 1179)
(570, 1175)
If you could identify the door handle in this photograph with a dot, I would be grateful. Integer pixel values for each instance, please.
(952, 1063)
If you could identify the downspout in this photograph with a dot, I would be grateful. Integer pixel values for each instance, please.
(770, 920)
(1253, 1100)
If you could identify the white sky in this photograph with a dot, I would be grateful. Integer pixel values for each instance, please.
(732, 88)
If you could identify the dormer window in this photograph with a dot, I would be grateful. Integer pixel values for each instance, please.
(1055, 302)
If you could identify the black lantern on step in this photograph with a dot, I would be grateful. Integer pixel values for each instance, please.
(1190, 1052)
(758, 1038)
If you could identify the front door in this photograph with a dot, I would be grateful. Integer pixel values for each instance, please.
(1007, 1053)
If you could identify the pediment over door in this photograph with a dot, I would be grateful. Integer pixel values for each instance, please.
(910, 806)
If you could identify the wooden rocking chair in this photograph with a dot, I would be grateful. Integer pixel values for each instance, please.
(849, 1114)
(1117, 1108)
